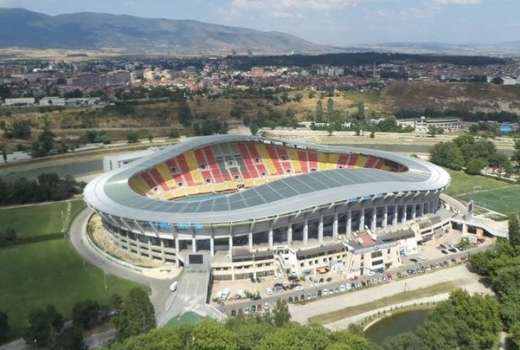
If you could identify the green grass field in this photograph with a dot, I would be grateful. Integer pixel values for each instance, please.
(40, 220)
(48, 272)
(496, 195)
(462, 183)
(505, 200)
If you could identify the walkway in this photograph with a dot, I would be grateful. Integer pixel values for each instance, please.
(459, 275)
(158, 287)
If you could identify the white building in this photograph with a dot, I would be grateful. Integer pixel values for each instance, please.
(117, 161)
(52, 101)
(20, 102)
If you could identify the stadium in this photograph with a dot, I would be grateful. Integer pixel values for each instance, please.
(254, 206)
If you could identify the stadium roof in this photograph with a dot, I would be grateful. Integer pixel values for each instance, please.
(112, 194)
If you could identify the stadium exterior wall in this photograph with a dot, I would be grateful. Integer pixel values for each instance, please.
(310, 221)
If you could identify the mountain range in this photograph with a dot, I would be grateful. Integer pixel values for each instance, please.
(22, 28)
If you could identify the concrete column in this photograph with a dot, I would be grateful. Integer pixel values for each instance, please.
(349, 224)
(396, 215)
(362, 219)
(289, 234)
(270, 238)
(177, 250)
(230, 246)
(414, 209)
(404, 213)
(320, 230)
(212, 245)
(374, 219)
(306, 231)
(422, 209)
(163, 254)
(335, 226)
(250, 240)
(385, 216)
(193, 245)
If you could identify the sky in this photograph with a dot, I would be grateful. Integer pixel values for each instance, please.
(331, 22)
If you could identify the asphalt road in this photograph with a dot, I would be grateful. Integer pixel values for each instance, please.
(158, 287)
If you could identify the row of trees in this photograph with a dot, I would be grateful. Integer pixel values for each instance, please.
(500, 269)
(47, 327)
(47, 187)
(270, 331)
(469, 153)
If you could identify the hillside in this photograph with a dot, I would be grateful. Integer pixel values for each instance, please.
(471, 97)
(27, 29)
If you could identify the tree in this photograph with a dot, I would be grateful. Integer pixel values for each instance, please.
(475, 166)
(132, 137)
(116, 302)
(464, 322)
(281, 314)
(210, 335)
(44, 325)
(433, 130)
(174, 134)
(514, 230)
(296, 337)
(515, 335)
(318, 114)
(330, 109)
(250, 330)
(70, 338)
(156, 339)
(330, 129)
(137, 315)
(85, 314)
(253, 127)
(45, 143)
(4, 155)
(19, 130)
(516, 154)
(5, 329)
(447, 154)
(185, 114)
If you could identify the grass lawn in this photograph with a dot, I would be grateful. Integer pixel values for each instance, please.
(40, 220)
(185, 318)
(462, 183)
(48, 272)
(504, 200)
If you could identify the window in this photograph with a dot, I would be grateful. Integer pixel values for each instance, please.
(180, 184)
(376, 254)
(202, 166)
(208, 181)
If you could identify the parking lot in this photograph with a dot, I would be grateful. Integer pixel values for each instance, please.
(249, 296)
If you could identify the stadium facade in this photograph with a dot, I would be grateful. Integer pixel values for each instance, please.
(256, 205)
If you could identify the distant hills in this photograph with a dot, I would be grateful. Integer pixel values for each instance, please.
(95, 31)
